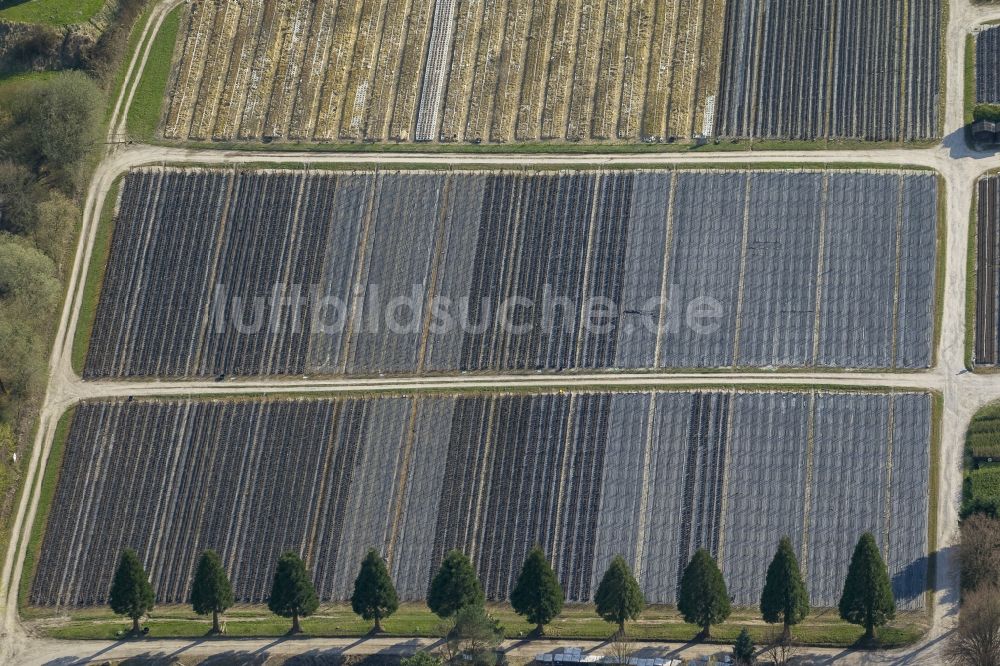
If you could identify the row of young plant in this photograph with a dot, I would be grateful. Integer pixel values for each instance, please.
(867, 599)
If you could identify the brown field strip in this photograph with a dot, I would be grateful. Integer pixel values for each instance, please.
(474, 70)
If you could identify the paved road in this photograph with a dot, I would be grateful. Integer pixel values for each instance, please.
(962, 392)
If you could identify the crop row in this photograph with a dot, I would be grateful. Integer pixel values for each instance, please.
(847, 69)
(421, 272)
(449, 70)
(652, 476)
(987, 335)
(987, 64)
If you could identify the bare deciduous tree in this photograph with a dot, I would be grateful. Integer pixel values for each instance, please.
(979, 552)
(778, 648)
(621, 648)
(976, 642)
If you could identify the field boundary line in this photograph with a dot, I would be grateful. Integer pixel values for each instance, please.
(482, 477)
(724, 482)
(741, 279)
(433, 278)
(403, 482)
(559, 533)
(214, 270)
(647, 450)
(588, 255)
(665, 268)
(897, 277)
(889, 443)
(312, 531)
(807, 491)
(820, 266)
(287, 250)
(359, 289)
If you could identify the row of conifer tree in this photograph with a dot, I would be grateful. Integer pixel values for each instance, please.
(703, 600)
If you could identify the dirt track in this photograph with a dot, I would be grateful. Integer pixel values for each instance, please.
(962, 392)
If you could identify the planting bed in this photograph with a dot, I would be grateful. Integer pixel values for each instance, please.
(851, 69)
(651, 476)
(448, 70)
(496, 71)
(987, 332)
(987, 66)
(217, 272)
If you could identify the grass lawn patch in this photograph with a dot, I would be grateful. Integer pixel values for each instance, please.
(578, 621)
(49, 12)
(147, 105)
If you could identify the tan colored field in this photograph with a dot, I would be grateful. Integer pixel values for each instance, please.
(444, 70)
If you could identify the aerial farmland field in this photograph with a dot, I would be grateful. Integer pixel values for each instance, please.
(652, 476)
(500, 71)
(297, 272)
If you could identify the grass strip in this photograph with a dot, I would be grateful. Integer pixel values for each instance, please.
(49, 12)
(147, 105)
(578, 621)
(95, 278)
(50, 481)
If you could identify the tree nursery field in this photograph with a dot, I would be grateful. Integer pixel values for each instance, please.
(586, 475)
(809, 69)
(496, 71)
(782, 254)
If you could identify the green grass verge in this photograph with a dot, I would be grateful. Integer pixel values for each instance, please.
(49, 12)
(578, 621)
(970, 281)
(150, 95)
(50, 481)
(95, 278)
(132, 45)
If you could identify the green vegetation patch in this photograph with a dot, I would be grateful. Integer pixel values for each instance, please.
(147, 105)
(985, 482)
(49, 12)
(986, 112)
(981, 486)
